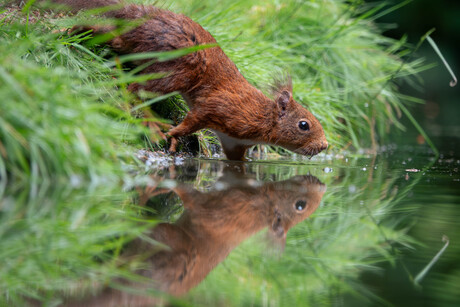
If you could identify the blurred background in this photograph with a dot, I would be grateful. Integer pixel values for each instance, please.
(439, 115)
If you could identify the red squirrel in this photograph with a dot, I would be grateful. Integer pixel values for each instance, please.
(213, 224)
(218, 95)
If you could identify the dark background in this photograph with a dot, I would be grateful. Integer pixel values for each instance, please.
(439, 116)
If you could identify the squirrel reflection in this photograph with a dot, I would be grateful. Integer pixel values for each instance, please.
(212, 225)
(215, 222)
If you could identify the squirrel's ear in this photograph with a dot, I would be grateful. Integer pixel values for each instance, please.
(282, 100)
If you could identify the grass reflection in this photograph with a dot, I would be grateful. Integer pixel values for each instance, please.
(73, 242)
(63, 240)
(354, 230)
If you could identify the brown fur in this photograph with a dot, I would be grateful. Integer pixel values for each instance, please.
(214, 223)
(219, 97)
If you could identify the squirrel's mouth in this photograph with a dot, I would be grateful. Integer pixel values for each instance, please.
(309, 151)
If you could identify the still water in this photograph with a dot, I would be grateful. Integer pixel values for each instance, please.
(338, 230)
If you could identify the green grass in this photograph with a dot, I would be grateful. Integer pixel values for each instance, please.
(344, 70)
(61, 115)
(66, 150)
(69, 130)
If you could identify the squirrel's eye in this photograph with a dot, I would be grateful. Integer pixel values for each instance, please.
(300, 205)
(303, 125)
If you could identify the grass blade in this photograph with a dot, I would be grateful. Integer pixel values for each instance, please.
(453, 82)
(435, 259)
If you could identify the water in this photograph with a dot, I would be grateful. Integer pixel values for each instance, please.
(346, 230)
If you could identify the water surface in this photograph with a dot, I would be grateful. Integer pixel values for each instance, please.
(340, 230)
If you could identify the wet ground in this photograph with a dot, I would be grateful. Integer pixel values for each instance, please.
(343, 230)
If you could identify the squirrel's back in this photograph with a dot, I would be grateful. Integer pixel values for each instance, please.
(162, 30)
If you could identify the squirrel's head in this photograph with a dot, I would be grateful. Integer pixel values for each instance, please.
(293, 201)
(295, 128)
